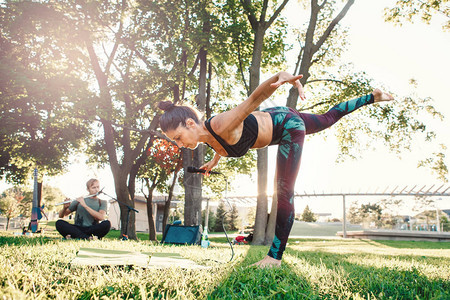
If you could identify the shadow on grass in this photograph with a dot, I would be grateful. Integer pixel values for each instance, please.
(142, 236)
(245, 282)
(382, 282)
(24, 240)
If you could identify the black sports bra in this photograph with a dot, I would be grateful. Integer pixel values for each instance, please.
(247, 140)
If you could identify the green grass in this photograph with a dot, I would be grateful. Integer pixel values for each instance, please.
(38, 267)
(319, 229)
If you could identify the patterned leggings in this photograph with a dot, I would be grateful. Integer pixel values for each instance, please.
(289, 130)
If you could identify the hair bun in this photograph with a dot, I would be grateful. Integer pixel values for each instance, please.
(166, 105)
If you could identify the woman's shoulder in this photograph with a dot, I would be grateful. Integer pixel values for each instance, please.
(221, 122)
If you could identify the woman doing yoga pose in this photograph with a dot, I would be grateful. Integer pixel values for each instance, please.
(234, 132)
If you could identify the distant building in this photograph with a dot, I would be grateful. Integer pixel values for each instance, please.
(142, 218)
(158, 212)
(323, 217)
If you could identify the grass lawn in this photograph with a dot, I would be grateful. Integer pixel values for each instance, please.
(319, 229)
(39, 267)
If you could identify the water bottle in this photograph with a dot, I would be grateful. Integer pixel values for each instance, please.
(205, 240)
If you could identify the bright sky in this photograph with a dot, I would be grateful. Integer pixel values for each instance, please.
(391, 55)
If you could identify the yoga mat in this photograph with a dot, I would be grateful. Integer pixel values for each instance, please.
(107, 257)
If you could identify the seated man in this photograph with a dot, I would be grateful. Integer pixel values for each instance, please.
(90, 214)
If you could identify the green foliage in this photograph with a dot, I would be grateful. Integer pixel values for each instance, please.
(211, 219)
(51, 196)
(221, 210)
(233, 220)
(12, 204)
(238, 45)
(407, 10)
(38, 87)
(329, 81)
(365, 213)
(437, 164)
(308, 215)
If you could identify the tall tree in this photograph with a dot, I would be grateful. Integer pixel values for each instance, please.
(326, 78)
(37, 88)
(192, 25)
(321, 44)
(233, 218)
(164, 159)
(221, 211)
(129, 55)
(316, 43)
(308, 215)
(11, 204)
(260, 15)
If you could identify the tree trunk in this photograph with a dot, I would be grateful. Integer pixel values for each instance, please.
(151, 220)
(270, 230)
(311, 47)
(259, 234)
(192, 186)
(169, 200)
(126, 215)
(260, 27)
(193, 182)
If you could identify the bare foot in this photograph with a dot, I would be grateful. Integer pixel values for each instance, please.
(379, 95)
(268, 262)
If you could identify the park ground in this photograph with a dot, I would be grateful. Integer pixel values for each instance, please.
(39, 267)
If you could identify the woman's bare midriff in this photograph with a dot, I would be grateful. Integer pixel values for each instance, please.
(265, 128)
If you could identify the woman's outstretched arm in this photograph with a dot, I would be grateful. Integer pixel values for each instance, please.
(268, 87)
(231, 119)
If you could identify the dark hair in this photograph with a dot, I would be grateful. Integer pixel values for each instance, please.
(175, 115)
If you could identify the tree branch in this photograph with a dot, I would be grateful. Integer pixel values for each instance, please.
(315, 105)
(103, 86)
(330, 80)
(276, 13)
(116, 44)
(323, 4)
(241, 68)
(140, 145)
(262, 17)
(197, 59)
(299, 59)
(333, 24)
(128, 108)
(247, 4)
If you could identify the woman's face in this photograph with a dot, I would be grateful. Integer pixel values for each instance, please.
(184, 136)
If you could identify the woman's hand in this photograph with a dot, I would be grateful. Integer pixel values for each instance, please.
(285, 77)
(211, 164)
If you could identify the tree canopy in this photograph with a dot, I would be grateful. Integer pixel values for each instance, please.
(86, 76)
